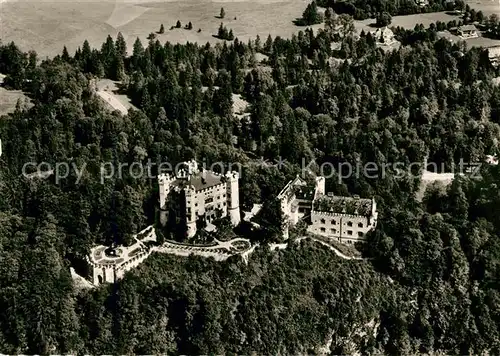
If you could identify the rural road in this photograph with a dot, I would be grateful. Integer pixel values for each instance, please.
(337, 252)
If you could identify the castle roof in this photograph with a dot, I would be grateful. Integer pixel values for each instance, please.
(304, 192)
(200, 180)
(343, 205)
(289, 189)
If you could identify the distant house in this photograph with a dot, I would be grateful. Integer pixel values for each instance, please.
(467, 31)
(494, 55)
(383, 35)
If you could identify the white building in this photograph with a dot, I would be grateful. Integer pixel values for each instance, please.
(493, 160)
(383, 35)
(109, 264)
(296, 200)
(467, 31)
(344, 219)
(199, 193)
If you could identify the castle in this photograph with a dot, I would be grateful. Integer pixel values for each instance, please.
(344, 219)
(199, 193)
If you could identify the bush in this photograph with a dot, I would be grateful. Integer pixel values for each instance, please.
(383, 19)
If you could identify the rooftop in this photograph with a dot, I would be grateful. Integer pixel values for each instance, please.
(343, 205)
(200, 180)
(382, 31)
(304, 192)
(467, 28)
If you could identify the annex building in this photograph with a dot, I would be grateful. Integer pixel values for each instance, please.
(345, 219)
(193, 194)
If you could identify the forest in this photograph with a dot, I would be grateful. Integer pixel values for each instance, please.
(430, 278)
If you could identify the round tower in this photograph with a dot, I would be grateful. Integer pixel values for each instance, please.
(191, 215)
(233, 197)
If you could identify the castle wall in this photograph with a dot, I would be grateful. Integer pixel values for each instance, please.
(343, 227)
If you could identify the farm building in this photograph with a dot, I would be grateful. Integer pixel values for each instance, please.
(468, 31)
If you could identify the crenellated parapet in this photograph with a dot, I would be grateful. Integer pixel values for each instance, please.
(329, 214)
(109, 264)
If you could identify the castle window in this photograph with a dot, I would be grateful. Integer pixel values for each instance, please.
(218, 197)
(349, 223)
(209, 200)
(360, 225)
(323, 221)
(223, 195)
(334, 231)
(195, 204)
(224, 203)
(349, 232)
(360, 234)
(323, 229)
(334, 222)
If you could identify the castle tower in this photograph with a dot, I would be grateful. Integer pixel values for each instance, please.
(320, 186)
(164, 184)
(191, 215)
(233, 198)
(164, 181)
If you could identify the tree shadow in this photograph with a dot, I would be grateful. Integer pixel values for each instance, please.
(299, 22)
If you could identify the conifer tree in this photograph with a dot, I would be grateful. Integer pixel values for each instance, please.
(121, 45)
(65, 54)
(311, 16)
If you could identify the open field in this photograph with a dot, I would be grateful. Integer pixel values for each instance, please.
(8, 100)
(488, 7)
(407, 22)
(46, 26)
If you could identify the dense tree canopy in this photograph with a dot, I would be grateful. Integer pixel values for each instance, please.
(431, 282)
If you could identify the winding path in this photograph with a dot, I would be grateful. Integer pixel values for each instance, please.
(220, 252)
(335, 250)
